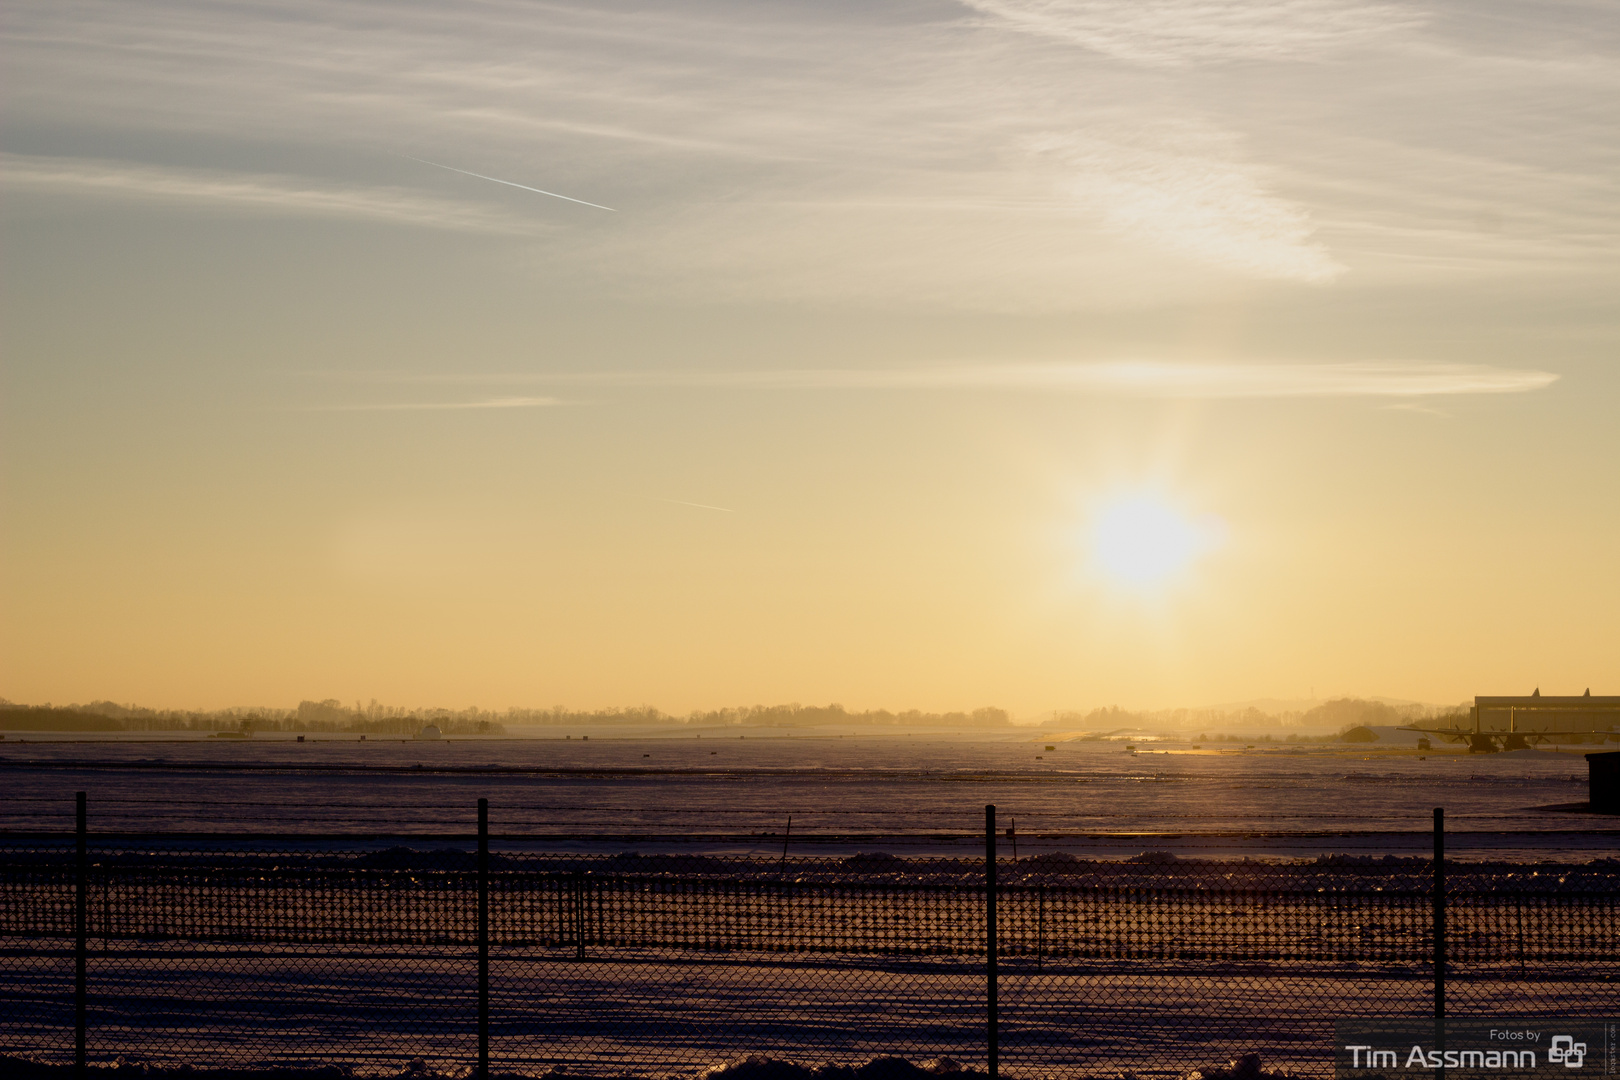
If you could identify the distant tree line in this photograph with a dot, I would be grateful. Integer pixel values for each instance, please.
(332, 715)
(335, 716)
(780, 716)
(310, 716)
(1329, 719)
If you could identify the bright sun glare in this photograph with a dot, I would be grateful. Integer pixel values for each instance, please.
(1140, 541)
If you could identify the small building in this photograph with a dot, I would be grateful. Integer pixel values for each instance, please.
(430, 732)
(1603, 779)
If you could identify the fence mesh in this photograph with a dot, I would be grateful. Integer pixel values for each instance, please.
(252, 951)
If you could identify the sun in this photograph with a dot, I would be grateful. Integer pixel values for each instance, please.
(1141, 541)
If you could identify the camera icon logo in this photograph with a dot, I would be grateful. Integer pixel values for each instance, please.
(1564, 1048)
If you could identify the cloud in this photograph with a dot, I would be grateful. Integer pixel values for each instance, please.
(1123, 379)
(260, 193)
(955, 157)
(1414, 407)
(1173, 32)
(435, 406)
(1184, 189)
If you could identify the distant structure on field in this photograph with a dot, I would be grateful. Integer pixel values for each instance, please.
(1515, 723)
(430, 732)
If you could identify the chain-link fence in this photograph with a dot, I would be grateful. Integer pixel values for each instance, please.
(255, 951)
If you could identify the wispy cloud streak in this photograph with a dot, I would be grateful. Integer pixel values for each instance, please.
(437, 406)
(1172, 32)
(1125, 378)
(265, 193)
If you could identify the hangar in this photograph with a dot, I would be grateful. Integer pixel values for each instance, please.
(1515, 723)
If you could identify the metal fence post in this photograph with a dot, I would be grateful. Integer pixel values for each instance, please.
(1440, 930)
(483, 939)
(1518, 914)
(81, 912)
(990, 943)
(1040, 932)
(579, 914)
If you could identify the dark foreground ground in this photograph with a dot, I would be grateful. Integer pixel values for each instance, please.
(1247, 1067)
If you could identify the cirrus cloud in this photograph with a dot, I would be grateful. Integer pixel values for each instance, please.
(1173, 32)
(1183, 188)
(262, 193)
(1116, 378)
(441, 406)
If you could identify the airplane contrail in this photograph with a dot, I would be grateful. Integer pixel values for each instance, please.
(508, 183)
(700, 506)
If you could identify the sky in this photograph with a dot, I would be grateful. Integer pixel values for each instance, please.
(1041, 354)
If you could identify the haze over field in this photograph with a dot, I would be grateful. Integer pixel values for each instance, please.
(1290, 720)
(1035, 354)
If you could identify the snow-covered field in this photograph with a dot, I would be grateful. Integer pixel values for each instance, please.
(903, 793)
